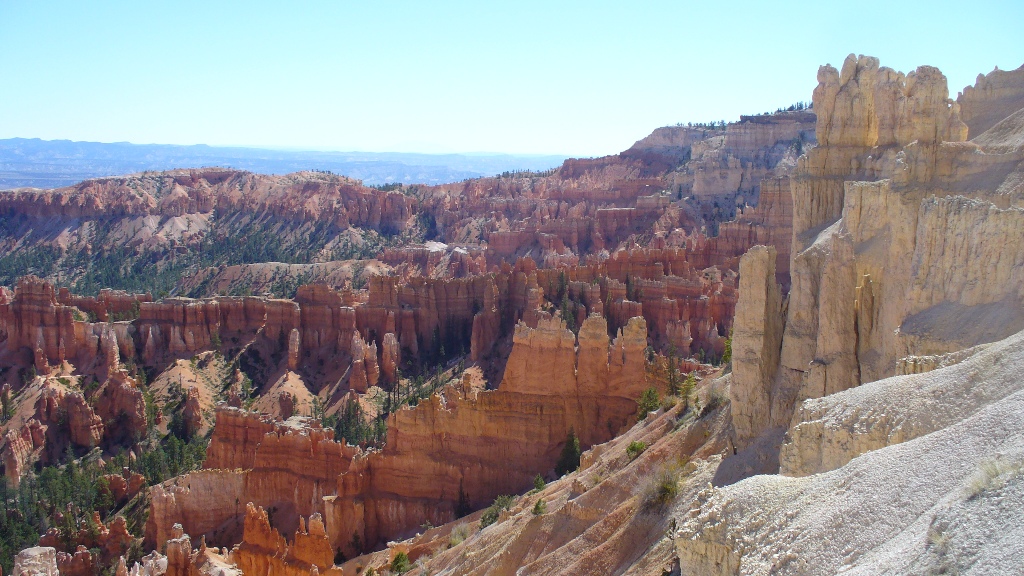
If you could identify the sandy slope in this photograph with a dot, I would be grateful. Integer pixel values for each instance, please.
(949, 499)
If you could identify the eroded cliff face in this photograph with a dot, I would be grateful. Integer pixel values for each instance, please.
(464, 444)
(177, 193)
(730, 164)
(993, 97)
(756, 342)
(35, 327)
(264, 551)
(888, 247)
(67, 374)
(902, 237)
(325, 343)
(676, 178)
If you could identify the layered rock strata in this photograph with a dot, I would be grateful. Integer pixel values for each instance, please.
(300, 196)
(902, 242)
(463, 445)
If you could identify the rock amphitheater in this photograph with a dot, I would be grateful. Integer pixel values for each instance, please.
(826, 304)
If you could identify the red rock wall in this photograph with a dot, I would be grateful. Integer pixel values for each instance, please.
(487, 442)
(302, 197)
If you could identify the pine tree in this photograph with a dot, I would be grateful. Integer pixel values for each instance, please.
(569, 460)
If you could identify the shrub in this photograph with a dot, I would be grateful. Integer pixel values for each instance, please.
(993, 475)
(662, 488)
(569, 460)
(503, 502)
(540, 507)
(458, 535)
(669, 402)
(635, 449)
(401, 564)
(648, 402)
(716, 398)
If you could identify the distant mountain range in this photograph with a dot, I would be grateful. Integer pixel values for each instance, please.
(31, 162)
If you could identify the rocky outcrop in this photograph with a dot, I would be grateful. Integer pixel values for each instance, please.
(757, 340)
(542, 359)
(365, 370)
(21, 448)
(184, 560)
(38, 561)
(545, 360)
(75, 551)
(993, 97)
(192, 412)
(264, 551)
(390, 359)
(123, 487)
(251, 458)
(883, 265)
(123, 403)
(858, 109)
(69, 411)
(52, 333)
(78, 563)
(300, 196)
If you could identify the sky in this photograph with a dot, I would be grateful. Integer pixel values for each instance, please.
(527, 77)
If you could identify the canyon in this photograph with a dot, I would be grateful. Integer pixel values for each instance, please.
(842, 285)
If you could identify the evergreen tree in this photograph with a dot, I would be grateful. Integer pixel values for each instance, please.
(569, 460)
(463, 506)
(648, 402)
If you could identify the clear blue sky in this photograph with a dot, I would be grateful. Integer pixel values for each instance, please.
(577, 78)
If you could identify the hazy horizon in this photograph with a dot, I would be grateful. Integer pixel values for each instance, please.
(38, 163)
(572, 79)
(270, 147)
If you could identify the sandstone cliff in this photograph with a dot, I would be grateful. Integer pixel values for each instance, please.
(894, 218)
(993, 97)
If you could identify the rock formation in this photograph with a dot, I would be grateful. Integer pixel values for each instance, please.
(883, 266)
(33, 321)
(75, 551)
(469, 442)
(756, 343)
(884, 243)
(994, 96)
(191, 412)
(39, 561)
(176, 193)
(264, 551)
